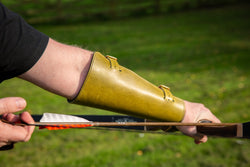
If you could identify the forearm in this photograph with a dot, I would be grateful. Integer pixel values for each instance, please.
(61, 69)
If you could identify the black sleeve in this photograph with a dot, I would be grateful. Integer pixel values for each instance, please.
(21, 45)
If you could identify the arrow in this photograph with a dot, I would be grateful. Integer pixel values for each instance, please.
(61, 121)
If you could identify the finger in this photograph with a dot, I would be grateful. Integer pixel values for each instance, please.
(11, 104)
(11, 117)
(14, 133)
(18, 133)
(200, 138)
(24, 117)
(27, 118)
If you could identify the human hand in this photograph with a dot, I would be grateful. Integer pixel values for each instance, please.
(196, 112)
(9, 133)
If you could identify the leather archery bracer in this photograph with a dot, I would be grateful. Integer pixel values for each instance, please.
(112, 87)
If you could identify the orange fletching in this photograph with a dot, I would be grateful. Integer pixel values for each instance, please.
(64, 126)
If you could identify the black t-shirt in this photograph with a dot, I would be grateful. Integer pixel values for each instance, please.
(21, 45)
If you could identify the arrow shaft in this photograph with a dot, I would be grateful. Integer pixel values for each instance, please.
(211, 129)
(129, 124)
(239, 130)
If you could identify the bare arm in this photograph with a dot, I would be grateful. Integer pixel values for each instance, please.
(61, 69)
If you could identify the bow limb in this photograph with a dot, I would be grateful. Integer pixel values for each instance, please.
(119, 122)
(238, 130)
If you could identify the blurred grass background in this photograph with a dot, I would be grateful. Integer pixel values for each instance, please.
(201, 53)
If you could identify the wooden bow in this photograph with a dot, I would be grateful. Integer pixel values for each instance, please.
(236, 130)
(121, 122)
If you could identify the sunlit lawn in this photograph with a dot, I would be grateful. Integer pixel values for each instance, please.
(203, 56)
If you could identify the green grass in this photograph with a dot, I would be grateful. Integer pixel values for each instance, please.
(203, 56)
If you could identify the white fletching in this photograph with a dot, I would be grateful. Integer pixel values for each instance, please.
(52, 117)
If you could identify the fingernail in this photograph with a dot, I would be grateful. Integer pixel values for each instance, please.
(21, 103)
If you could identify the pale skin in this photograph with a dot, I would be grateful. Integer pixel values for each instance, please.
(10, 133)
(62, 70)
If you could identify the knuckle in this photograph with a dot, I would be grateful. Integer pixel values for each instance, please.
(203, 108)
(24, 139)
(202, 105)
(27, 138)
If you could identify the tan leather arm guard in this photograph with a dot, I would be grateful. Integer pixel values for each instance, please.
(112, 87)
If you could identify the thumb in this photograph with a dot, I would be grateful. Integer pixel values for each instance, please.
(11, 104)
